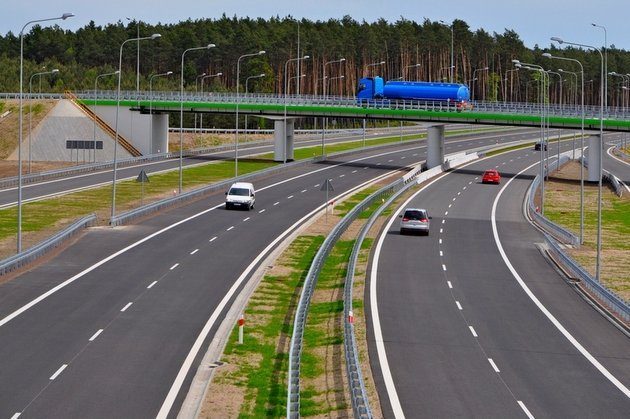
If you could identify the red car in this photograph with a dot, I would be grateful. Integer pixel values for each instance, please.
(491, 176)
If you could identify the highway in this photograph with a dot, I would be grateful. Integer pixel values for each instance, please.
(104, 328)
(614, 164)
(473, 321)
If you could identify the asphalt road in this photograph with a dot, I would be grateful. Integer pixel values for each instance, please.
(462, 337)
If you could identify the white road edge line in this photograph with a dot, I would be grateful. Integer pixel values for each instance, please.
(459, 306)
(494, 366)
(126, 307)
(472, 330)
(59, 371)
(537, 302)
(444, 267)
(449, 284)
(151, 285)
(95, 335)
(525, 409)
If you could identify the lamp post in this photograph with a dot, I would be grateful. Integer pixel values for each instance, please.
(605, 71)
(474, 78)
(168, 73)
(507, 73)
(19, 216)
(30, 110)
(137, 54)
(295, 77)
(94, 119)
(409, 66)
(181, 114)
(219, 74)
(601, 139)
(336, 78)
(247, 91)
(152, 37)
(452, 56)
(286, 88)
(623, 79)
(238, 72)
(201, 76)
(575, 103)
(373, 65)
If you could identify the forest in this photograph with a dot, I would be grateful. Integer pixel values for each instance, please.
(410, 50)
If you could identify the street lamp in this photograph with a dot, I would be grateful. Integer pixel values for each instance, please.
(168, 73)
(474, 78)
(152, 37)
(258, 76)
(19, 217)
(219, 74)
(30, 110)
(623, 78)
(238, 73)
(452, 56)
(181, 114)
(137, 54)
(373, 65)
(601, 139)
(408, 66)
(507, 73)
(605, 63)
(94, 118)
(286, 88)
(201, 76)
(295, 77)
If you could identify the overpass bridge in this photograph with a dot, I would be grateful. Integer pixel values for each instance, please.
(153, 109)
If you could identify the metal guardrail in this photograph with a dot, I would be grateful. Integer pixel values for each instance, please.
(614, 181)
(16, 261)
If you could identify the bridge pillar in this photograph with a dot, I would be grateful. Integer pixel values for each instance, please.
(283, 140)
(158, 140)
(594, 150)
(435, 146)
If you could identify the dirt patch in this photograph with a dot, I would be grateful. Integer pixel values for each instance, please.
(201, 140)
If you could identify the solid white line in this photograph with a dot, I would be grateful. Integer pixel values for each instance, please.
(472, 330)
(261, 211)
(126, 307)
(151, 285)
(55, 375)
(245, 219)
(174, 266)
(527, 412)
(95, 335)
(276, 203)
(459, 306)
(494, 366)
(194, 251)
(444, 267)
(541, 307)
(229, 228)
(303, 190)
(449, 284)
(290, 196)
(212, 239)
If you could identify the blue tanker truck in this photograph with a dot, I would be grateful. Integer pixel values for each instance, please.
(373, 90)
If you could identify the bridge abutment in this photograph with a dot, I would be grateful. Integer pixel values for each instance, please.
(594, 151)
(435, 146)
(283, 139)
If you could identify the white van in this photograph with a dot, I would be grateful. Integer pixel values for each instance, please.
(240, 195)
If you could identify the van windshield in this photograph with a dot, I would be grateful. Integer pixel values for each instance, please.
(239, 192)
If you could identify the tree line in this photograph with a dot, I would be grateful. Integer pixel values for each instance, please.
(410, 50)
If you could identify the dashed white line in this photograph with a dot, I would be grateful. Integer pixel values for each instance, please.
(449, 284)
(459, 306)
(151, 285)
(470, 183)
(443, 221)
(354, 171)
(440, 241)
(441, 254)
(390, 160)
(464, 188)
(444, 267)
(229, 228)
(261, 211)
(445, 213)
(16, 415)
(441, 230)
(174, 266)
(126, 307)
(494, 366)
(59, 371)
(214, 238)
(95, 335)
(378, 164)
(454, 199)
(525, 409)
(472, 330)
(414, 154)
(303, 190)
(275, 203)
(316, 186)
(245, 219)
(342, 175)
(450, 205)
(290, 196)
(194, 251)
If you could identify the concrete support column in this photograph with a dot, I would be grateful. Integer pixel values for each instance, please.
(435, 146)
(594, 150)
(159, 135)
(283, 140)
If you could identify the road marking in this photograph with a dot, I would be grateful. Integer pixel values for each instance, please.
(472, 330)
(212, 239)
(151, 285)
(59, 371)
(449, 284)
(174, 266)
(444, 267)
(275, 203)
(245, 219)
(494, 366)
(440, 241)
(441, 230)
(341, 175)
(445, 213)
(541, 307)
(450, 205)
(390, 160)
(378, 164)
(261, 211)
(95, 335)
(354, 171)
(16, 415)
(443, 221)
(194, 251)
(465, 188)
(403, 157)
(229, 228)
(303, 190)
(527, 412)
(441, 254)
(458, 194)
(459, 306)
(316, 186)
(470, 183)
(454, 199)
(126, 307)
(414, 154)
(365, 168)
(290, 196)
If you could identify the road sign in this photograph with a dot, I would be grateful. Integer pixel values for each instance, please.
(327, 186)
(142, 177)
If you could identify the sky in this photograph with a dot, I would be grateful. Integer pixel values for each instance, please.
(534, 20)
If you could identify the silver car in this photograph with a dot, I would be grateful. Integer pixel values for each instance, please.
(414, 220)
